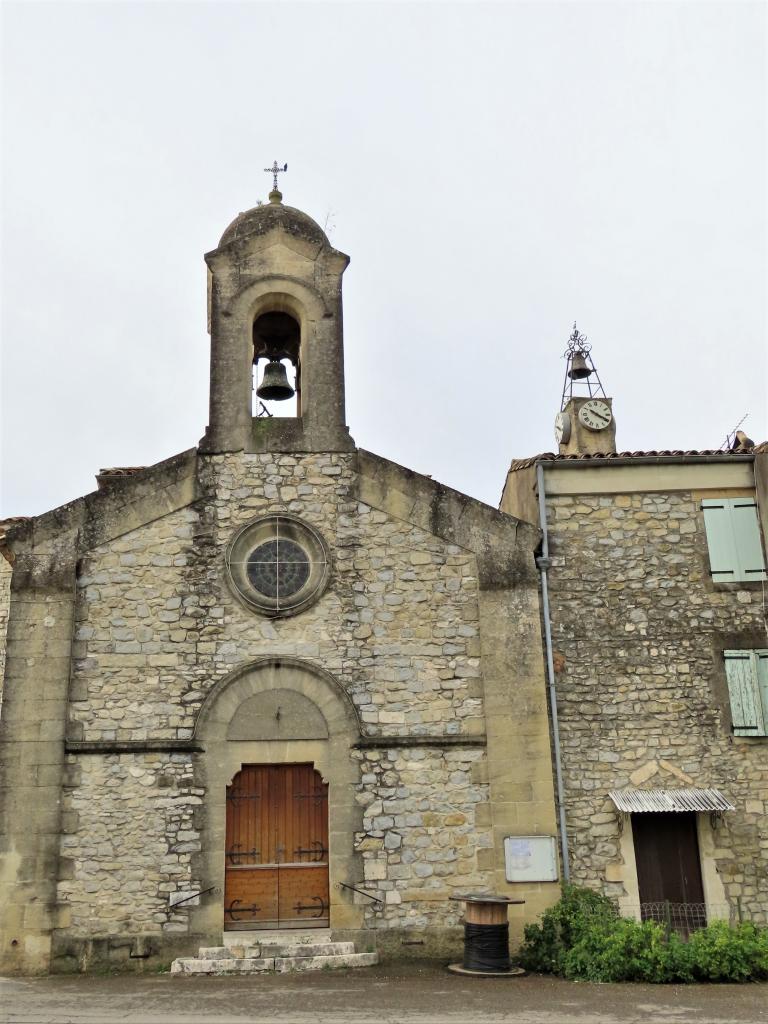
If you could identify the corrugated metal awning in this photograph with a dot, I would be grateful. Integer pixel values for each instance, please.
(637, 801)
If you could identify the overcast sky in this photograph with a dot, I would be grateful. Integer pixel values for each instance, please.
(495, 172)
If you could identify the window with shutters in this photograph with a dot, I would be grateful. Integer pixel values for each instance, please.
(733, 539)
(747, 674)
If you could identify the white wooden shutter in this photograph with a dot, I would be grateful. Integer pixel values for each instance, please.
(746, 531)
(723, 557)
(741, 669)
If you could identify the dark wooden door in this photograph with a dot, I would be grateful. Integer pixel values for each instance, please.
(668, 863)
(276, 848)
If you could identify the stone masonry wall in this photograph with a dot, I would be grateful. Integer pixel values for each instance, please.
(157, 625)
(422, 832)
(128, 838)
(140, 627)
(638, 631)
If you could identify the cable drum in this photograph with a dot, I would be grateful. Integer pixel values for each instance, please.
(486, 947)
(486, 936)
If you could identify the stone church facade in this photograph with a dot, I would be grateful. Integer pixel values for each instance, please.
(277, 681)
(159, 650)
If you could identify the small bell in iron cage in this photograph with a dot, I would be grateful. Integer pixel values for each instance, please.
(578, 369)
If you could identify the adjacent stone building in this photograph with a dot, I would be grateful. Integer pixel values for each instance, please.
(275, 681)
(654, 568)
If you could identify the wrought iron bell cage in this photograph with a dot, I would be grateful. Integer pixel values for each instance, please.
(580, 370)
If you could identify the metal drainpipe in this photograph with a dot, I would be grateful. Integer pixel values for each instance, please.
(543, 564)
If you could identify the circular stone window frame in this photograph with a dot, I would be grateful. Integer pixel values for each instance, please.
(270, 527)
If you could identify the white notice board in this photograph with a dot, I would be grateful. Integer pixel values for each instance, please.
(530, 858)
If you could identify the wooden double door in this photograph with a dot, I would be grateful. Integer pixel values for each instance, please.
(276, 848)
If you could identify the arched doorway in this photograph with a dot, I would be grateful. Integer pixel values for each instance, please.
(276, 854)
(275, 712)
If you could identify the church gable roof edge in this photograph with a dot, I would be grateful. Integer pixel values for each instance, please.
(124, 502)
(504, 545)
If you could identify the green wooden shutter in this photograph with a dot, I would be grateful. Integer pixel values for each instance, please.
(723, 557)
(761, 658)
(746, 705)
(746, 531)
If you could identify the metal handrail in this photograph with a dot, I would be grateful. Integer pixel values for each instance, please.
(343, 885)
(194, 895)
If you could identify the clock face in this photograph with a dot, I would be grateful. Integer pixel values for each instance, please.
(562, 428)
(595, 415)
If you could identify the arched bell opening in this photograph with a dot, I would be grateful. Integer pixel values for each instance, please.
(276, 365)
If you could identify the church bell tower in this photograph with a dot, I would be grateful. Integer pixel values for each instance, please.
(275, 312)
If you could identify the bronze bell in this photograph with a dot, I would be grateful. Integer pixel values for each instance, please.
(578, 369)
(274, 385)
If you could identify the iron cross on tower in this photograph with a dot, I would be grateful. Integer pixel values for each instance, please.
(274, 170)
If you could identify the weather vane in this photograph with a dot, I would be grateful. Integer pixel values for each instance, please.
(274, 170)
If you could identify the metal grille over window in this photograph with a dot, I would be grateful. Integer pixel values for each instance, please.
(278, 565)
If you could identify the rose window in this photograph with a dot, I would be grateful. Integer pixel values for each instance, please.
(278, 564)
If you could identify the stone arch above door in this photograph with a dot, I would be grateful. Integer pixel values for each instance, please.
(324, 701)
(236, 725)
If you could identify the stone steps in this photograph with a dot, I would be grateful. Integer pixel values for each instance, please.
(276, 949)
(275, 956)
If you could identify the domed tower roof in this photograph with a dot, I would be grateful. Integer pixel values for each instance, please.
(262, 219)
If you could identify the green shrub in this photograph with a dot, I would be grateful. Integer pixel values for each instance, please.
(545, 944)
(628, 950)
(722, 953)
(582, 937)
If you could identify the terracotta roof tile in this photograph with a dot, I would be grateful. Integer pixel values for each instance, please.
(9, 522)
(120, 470)
(608, 456)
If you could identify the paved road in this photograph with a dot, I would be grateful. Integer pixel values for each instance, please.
(399, 994)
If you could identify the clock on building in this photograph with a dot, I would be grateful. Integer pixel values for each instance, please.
(562, 428)
(595, 414)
